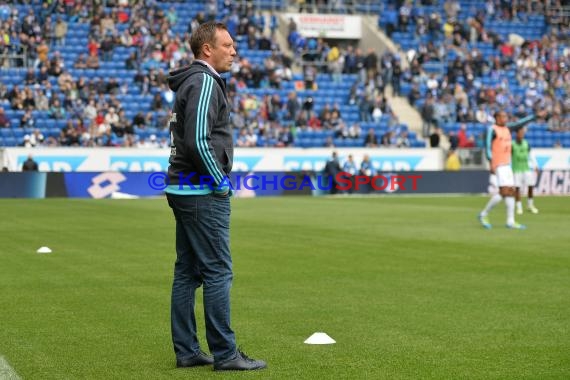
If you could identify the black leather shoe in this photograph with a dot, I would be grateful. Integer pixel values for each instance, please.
(200, 359)
(240, 363)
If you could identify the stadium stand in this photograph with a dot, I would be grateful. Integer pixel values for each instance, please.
(79, 74)
(474, 57)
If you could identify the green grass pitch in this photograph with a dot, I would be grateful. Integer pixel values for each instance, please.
(409, 287)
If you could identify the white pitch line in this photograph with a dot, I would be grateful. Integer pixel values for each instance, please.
(6, 371)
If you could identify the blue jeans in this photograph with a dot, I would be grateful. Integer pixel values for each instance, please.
(202, 258)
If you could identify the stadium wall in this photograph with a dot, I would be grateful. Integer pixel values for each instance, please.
(127, 173)
(100, 185)
(245, 159)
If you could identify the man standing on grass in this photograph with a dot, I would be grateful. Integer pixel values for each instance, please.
(499, 150)
(199, 194)
(524, 174)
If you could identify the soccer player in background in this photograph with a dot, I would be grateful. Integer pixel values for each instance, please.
(498, 150)
(525, 170)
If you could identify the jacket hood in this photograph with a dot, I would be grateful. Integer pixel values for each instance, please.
(177, 77)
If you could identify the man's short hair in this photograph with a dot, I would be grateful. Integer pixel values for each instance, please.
(498, 112)
(205, 34)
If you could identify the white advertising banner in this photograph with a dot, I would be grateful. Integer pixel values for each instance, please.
(552, 158)
(327, 25)
(245, 160)
(553, 182)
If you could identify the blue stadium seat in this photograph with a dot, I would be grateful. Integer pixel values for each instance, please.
(18, 133)
(6, 132)
(53, 132)
(10, 141)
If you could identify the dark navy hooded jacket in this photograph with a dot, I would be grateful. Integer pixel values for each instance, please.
(201, 136)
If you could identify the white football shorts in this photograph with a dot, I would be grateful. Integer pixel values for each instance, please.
(505, 177)
(525, 179)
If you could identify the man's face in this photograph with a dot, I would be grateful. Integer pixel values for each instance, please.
(222, 53)
(501, 119)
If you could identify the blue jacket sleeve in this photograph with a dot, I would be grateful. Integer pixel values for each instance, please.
(521, 122)
(489, 136)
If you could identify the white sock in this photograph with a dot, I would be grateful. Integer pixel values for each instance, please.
(530, 202)
(519, 205)
(495, 199)
(510, 202)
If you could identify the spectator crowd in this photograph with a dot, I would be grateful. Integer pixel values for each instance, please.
(92, 107)
(95, 111)
(520, 75)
